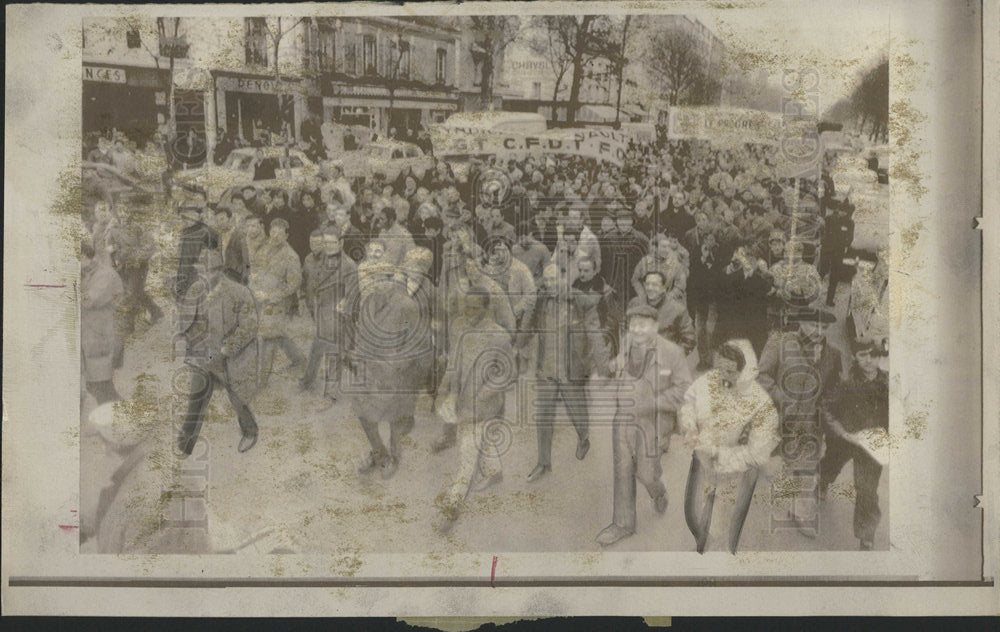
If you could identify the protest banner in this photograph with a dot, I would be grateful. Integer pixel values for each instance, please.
(600, 144)
(800, 149)
(724, 126)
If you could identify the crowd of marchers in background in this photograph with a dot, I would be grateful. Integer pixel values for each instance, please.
(580, 274)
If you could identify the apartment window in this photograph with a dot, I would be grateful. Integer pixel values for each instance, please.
(442, 65)
(389, 57)
(536, 90)
(321, 46)
(477, 70)
(369, 56)
(397, 61)
(404, 59)
(351, 55)
(256, 41)
(327, 50)
(173, 43)
(132, 38)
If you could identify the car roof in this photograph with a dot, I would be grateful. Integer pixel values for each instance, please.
(489, 119)
(390, 143)
(269, 152)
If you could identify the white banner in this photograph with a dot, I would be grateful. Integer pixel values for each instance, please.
(725, 126)
(797, 139)
(598, 143)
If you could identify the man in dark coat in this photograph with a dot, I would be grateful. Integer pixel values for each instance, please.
(393, 355)
(621, 250)
(837, 237)
(223, 147)
(329, 277)
(800, 370)
(674, 220)
(218, 318)
(559, 369)
(860, 406)
(194, 237)
(702, 282)
(742, 301)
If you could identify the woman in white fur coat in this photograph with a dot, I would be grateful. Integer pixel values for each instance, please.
(733, 425)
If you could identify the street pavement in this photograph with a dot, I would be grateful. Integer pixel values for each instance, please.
(301, 479)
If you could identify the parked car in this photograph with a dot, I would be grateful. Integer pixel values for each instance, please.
(290, 167)
(388, 157)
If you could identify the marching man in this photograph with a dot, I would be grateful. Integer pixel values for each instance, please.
(653, 376)
(473, 392)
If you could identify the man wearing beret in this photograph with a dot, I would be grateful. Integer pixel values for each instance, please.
(652, 378)
(860, 407)
(800, 370)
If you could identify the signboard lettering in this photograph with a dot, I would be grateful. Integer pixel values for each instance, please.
(604, 145)
(105, 75)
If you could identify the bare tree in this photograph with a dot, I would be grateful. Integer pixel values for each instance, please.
(705, 89)
(619, 62)
(544, 42)
(674, 62)
(276, 33)
(494, 33)
(396, 66)
(584, 38)
(870, 100)
(171, 45)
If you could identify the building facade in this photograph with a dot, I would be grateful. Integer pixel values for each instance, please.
(710, 50)
(125, 85)
(260, 77)
(530, 80)
(385, 73)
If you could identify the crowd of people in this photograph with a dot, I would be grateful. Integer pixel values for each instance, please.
(573, 274)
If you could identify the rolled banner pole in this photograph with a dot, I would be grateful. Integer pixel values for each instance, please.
(748, 483)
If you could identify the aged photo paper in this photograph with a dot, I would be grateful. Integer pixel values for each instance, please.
(501, 309)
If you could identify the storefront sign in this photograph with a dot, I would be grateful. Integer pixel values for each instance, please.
(599, 144)
(256, 86)
(350, 90)
(105, 75)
